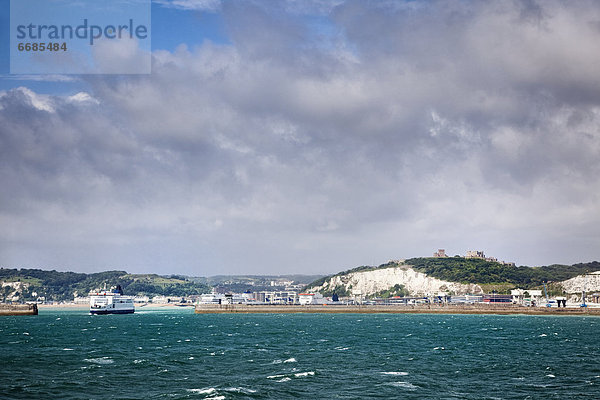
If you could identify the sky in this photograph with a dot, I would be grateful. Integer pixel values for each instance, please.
(277, 137)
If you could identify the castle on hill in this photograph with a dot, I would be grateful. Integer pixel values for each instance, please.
(441, 253)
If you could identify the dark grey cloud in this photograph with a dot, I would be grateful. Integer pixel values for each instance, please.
(377, 130)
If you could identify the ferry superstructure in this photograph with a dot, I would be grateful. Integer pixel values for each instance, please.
(111, 302)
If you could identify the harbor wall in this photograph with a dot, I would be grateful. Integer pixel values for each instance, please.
(18, 309)
(500, 309)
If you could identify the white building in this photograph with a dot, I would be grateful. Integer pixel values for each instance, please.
(310, 298)
(282, 283)
(520, 296)
(212, 298)
(277, 297)
(81, 300)
(160, 300)
(141, 299)
(357, 296)
(229, 298)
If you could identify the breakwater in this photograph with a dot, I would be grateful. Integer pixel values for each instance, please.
(496, 309)
(18, 309)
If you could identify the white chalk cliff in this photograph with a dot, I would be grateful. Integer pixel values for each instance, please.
(589, 282)
(373, 281)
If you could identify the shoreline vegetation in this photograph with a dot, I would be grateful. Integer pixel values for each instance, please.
(496, 309)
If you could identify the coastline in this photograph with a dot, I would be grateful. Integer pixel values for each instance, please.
(387, 309)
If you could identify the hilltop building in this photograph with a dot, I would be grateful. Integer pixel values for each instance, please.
(475, 254)
(481, 255)
(440, 253)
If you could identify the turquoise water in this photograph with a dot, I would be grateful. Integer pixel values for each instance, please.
(176, 354)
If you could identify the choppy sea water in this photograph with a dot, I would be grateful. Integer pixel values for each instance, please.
(176, 354)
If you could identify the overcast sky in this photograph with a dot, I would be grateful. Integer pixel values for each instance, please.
(312, 137)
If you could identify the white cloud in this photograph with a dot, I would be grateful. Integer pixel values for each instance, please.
(38, 101)
(448, 126)
(82, 97)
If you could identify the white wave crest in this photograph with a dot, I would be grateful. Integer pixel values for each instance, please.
(100, 360)
(301, 374)
(405, 385)
(202, 391)
(240, 390)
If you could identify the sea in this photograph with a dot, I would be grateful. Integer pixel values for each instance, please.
(172, 353)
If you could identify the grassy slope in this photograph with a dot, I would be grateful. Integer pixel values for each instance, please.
(63, 285)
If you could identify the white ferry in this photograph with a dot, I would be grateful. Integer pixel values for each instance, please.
(111, 302)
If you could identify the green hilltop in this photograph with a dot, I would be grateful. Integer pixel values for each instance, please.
(497, 276)
(59, 286)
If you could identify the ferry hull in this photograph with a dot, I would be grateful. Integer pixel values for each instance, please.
(104, 312)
